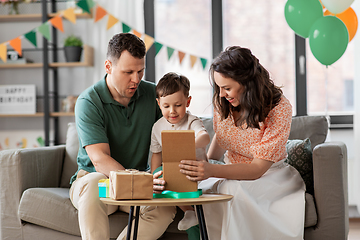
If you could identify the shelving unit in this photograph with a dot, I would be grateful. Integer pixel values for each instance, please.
(48, 65)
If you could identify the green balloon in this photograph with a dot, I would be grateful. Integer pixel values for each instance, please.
(302, 14)
(328, 39)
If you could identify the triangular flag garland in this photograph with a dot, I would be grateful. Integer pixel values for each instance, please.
(126, 28)
(44, 29)
(100, 13)
(70, 15)
(3, 52)
(31, 37)
(83, 4)
(16, 45)
(158, 47)
(86, 6)
(170, 52)
(111, 21)
(57, 22)
(181, 56)
(149, 41)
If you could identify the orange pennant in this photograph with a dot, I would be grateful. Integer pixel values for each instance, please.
(100, 13)
(16, 45)
(3, 54)
(181, 56)
(193, 60)
(111, 21)
(69, 14)
(57, 22)
(137, 33)
(149, 41)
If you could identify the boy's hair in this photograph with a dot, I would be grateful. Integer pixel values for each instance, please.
(125, 41)
(171, 83)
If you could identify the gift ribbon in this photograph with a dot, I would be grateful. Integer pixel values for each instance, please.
(177, 195)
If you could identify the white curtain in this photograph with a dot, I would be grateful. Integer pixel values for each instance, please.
(130, 12)
(354, 176)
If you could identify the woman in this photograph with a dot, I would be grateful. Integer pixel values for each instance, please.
(252, 121)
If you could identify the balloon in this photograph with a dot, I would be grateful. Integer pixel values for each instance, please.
(350, 20)
(337, 6)
(328, 39)
(302, 14)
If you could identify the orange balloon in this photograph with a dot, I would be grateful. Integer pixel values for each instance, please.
(349, 18)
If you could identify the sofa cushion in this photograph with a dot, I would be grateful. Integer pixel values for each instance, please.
(310, 211)
(71, 151)
(300, 157)
(313, 127)
(51, 208)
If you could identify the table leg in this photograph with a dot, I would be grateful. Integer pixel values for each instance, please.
(202, 225)
(131, 214)
(136, 224)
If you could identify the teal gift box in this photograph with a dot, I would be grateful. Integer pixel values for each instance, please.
(103, 188)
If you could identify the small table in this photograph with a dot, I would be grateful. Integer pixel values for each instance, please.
(198, 202)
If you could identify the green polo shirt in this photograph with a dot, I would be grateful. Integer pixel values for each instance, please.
(127, 130)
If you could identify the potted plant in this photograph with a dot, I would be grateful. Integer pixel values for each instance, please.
(73, 48)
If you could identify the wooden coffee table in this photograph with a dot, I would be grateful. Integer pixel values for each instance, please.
(198, 202)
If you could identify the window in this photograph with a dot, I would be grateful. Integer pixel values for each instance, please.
(261, 27)
(186, 27)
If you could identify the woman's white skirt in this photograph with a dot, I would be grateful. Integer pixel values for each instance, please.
(271, 207)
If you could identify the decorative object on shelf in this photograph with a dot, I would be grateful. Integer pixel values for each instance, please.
(68, 104)
(73, 48)
(17, 99)
(14, 5)
(13, 57)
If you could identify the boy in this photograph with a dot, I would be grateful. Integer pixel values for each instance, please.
(172, 96)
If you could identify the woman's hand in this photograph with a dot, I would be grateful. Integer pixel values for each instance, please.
(158, 183)
(195, 170)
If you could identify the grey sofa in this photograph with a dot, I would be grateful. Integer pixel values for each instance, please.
(35, 204)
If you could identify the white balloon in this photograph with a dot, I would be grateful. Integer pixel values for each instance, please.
(337, 6)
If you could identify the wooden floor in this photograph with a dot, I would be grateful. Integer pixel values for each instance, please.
(354, 229)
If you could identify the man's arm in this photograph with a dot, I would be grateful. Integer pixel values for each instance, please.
(99, 155)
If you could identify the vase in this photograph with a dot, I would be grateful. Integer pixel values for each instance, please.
(72, 53)
(13, 7)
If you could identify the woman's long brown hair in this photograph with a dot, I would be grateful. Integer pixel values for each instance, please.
(260, 94)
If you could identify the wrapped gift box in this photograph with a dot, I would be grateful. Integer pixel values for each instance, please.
(130, 184)
(177, 145)
(103, 188)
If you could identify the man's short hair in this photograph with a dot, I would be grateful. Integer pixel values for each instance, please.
(171, 83)
(125, 41)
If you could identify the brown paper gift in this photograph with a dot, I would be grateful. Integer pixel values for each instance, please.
(130, 184)
(177, 145)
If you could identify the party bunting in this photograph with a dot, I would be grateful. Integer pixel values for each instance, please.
(111, 21)
(100, 13)
(158, 47)
(138, 34)
(16, 45)
(181, 56)
(192, 60)
(86, 6)
(126, 28)
(149, 41)
(203, 62)
(83, 5)
(69, 14)
(90, 3)
(57, 22)
(3, 52)
(45, 31)
(31, 37)
(170, 52)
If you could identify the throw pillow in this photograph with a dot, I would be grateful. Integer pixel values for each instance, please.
(300, 157)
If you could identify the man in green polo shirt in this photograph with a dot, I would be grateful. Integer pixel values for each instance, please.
(114, 118)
